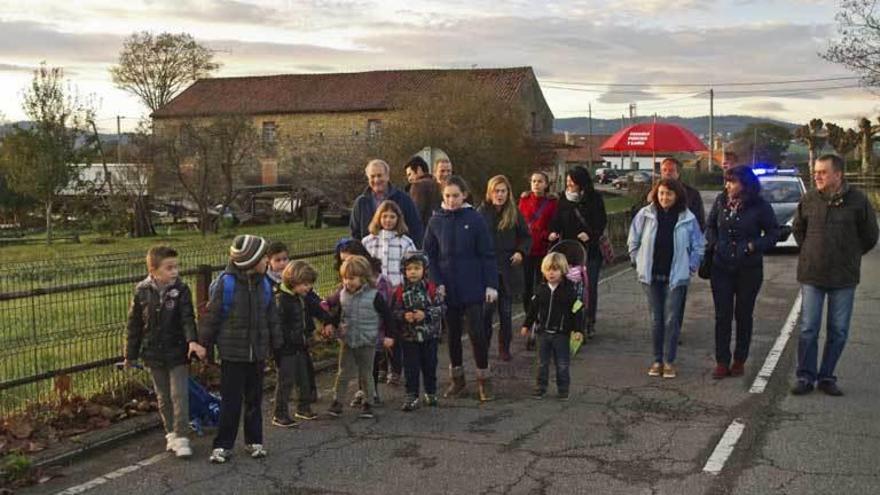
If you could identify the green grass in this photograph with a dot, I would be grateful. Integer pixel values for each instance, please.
(615, 204)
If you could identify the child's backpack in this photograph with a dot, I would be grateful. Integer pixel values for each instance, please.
(204, 407)
(229, 292)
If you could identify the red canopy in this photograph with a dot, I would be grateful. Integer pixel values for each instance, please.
(653, 137)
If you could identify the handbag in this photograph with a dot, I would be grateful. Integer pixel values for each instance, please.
(705, 271)
(605, 246)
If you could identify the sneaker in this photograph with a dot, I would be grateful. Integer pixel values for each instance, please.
(738, 368)
(366, 411)
(656, 369)
(830, 388)
(220, 456)
(305, 414)
(256, 450)
(802, 387)
(182, 447)
(410, 404)
(538, 394)
(430, 400)
(720, 371)
(358, 400)
(563, 396)
(335, 409)
(669, 371)
(284, 422)
(169, 442)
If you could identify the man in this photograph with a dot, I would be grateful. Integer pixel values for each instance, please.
(670, 168)
(834, 225)
(379, 189)
(442, 171)
(423, 190)
(729, 160)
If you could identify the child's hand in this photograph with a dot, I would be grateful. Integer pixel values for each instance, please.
(578, 336)
(408, 316)
(524, 331)
(198, 350)
(418, 315)
(328, 331)
(388, 343)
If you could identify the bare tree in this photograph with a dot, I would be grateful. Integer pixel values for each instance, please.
(844, 141)
(868, 134)
(813, 136)
(858, 47)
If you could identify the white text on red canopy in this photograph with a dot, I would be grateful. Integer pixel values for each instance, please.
(638, 138)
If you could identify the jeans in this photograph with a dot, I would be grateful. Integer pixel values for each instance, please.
(240, 381)
(172, 392)
(593, 266)
(532, 277)
(293, 372)
(420, 359)
(504, 305)
(355, 362)
(734, 294)
(455, 317)
(840, 306)
(665, 307)
(555, 346)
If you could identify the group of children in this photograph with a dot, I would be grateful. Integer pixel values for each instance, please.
(386, 314)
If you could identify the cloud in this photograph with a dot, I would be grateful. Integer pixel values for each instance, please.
(764, 106)
(39, 41)
(15, 68)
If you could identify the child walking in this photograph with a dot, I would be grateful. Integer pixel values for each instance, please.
(298, 306)
(556, 308)
(243, 322)
(357, 317)
(418, 311)
(162, 331)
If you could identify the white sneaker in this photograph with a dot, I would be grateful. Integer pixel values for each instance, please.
(169, 441)
(182, 448)
(219, 456)
(257, 450)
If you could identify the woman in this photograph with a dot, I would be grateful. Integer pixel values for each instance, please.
(512, 242)
(666, 244)
(462, 264)
(580, 215)
(538, 208)
(740, 228)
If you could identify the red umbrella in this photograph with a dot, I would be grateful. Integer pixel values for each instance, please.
(653, 137)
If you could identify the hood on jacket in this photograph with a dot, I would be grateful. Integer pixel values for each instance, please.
(444, 209)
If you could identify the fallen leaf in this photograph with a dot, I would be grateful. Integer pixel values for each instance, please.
(20, 427)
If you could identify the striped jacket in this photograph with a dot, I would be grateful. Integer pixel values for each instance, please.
(389, 248)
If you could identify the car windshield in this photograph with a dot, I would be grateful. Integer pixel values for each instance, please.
(781, 191)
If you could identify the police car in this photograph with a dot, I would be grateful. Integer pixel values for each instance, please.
(783, 188)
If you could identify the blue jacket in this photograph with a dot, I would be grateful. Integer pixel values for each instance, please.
(363, 210)
(462, 257)
(688, 245)
(729, 235)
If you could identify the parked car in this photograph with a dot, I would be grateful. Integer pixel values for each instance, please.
(783, 189)
(636, 176)
(605, 175)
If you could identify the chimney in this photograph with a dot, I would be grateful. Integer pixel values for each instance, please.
(567, 138)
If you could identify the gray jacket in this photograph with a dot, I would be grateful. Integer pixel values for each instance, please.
(833, 233)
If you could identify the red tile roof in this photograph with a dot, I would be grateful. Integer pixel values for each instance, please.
(581, 148)
(311, 93)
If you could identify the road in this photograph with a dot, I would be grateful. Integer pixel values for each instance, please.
(622, 432)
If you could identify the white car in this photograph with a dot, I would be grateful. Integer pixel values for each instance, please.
(783, 189)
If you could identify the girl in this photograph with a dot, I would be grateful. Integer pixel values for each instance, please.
(512, 242)
(666, 244)
(581, 216)
(388, 241)
(462, 264)
(538, 207)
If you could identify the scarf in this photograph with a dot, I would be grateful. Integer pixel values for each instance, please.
(573, 197)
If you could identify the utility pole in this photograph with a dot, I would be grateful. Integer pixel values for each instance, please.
(632, 116)
(118, 139)
(711, 128)
(590, 133)
(754, 145)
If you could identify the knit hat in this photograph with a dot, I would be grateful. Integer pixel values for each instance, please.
(247, 250)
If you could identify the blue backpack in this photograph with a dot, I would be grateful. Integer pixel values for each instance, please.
(229, 292)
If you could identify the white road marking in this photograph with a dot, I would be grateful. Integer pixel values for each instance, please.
(112, 475)
(724, 448)
(775, 353)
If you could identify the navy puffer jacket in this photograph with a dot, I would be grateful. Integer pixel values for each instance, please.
(729, 233)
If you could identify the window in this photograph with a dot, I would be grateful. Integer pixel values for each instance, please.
(374, 128)
(268, 134)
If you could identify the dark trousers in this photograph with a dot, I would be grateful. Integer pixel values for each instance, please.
(395, 359)
(532, 276)
(293, 373)
(240, 382)
(593, 265)
(504, 307)
(420, 360)
(554, 346)
(734, 293)
(455, 320)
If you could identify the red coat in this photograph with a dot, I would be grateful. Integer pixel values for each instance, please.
(539, 223)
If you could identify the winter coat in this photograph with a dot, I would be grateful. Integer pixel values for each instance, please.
(729, 233)
(695, 204)
(389, 248)
(462, 255)
(555, 311)
(365, 207)
(833, 234)
(425, 193)
(297, 315)
(160, 326)
(538, 219)
(359, 316)
(429, 302)
(688, 246)
(566, 223)
(516, 239)
(250, 328)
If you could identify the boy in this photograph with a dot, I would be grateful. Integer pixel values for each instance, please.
(243, 322)
(279, 257)
(162, 330)
(418, 312)
(556, 309)
(298, 306)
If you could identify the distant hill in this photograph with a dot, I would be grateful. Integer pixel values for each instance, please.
(107, 139)
(724, 124)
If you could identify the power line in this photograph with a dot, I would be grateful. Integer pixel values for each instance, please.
(705, 85)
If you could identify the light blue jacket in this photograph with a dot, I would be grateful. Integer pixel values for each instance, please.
(689, 245)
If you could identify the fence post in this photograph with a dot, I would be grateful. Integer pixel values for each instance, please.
(203, 283)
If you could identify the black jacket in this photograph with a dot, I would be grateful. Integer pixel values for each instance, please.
(297, 318)
(729, 235)
(160, 327)
(250, 328)
(833, 234)
(555, 311)
(516, 239)
(695, 204)
(566, 223)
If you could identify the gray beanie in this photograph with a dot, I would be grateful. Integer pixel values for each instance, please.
(247, 250)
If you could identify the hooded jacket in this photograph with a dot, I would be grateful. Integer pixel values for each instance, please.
(364, 208)
(538, 212)
(161, 324)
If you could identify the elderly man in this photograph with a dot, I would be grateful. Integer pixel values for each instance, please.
(423, 190)
(378, 176)
(834, 226)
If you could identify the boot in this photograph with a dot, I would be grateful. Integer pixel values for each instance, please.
(456, 382)
(503, 350)
(484, 385)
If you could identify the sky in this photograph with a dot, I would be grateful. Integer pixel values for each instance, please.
(584, 52)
